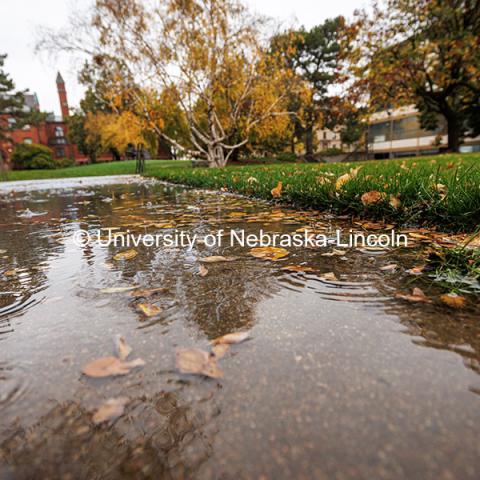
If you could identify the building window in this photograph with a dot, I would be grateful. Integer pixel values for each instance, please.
(26, 127)
(59, 152)
(11, 122)
(59, 132)
(28, 141)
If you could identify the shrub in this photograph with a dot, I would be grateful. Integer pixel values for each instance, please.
(25, 155)
(287, 157)
(64, 162)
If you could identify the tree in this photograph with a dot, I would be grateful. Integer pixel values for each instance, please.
(313, 55)
(422, 52)
(209, 52)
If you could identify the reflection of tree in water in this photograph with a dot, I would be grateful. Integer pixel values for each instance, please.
(158, 437)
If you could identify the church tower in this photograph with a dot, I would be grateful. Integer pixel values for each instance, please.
(62, 95)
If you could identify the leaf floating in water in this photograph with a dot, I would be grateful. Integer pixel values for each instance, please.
(202, 271)
(126, 255)
(149, 309)
(297, 268)
(329, 277)
(146, 292)
(231, 338)
(110, 366)
(277, 191)
(199, 362)
(269, 253)
(122, 348)
(110, 410)
(389, 268)
(117, 289)
(217, 258)
(416, 296)
(220, 350)
(453, 300)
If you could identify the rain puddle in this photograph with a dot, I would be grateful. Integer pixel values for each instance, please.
(338, 378)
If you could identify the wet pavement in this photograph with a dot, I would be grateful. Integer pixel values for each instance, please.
(338, 379)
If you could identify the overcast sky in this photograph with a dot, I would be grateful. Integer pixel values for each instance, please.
(20, 18)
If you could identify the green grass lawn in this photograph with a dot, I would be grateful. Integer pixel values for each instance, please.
(98, 169)
(439, 191)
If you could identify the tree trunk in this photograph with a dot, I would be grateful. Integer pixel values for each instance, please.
(309, 144)
(454, 128)
(216, 156)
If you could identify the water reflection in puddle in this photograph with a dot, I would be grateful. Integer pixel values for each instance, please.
(338, 380)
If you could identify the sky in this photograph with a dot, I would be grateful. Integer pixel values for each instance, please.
(20, 20)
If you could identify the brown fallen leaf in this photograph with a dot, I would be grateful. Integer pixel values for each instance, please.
(346, 177)
(110, 410)
(196, 361)
(334, 252)
(217, 258)
(372, 198)
(220, 350)
(110, 366)
(395, 202)
(202, 271)
(125, 255)
(122, 348)
(277, 191)
(453, 300)
(417, 296)
(389, 268)
(297, 268)
(329, 277)
(146, 292)
(231, 338)
(117, 289)
(269, 253)
(416, 270)
(149, 309)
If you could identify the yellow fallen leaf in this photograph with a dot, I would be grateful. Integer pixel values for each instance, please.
(110, 410)
(126, 255)
(149, 309)
(346, 177)
(372, 198)
(329, 277)
(110, 366)
(277, 191)
(389, 268)
(334, 253)
(117, 289)
(416, 270)
(252, 180)
(453, 300)
(196, 361)
(297, 268)
(217, 258)
(269, 253)
(395, 202)
(202, 271)
(220, 350)
(231, 338)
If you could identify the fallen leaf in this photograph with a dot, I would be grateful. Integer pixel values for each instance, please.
(220, 350)
(346, 177)
(395, 202)
(196, 361)
(110, 410)
(122, 348)
(126, 255)
(416, 296)
(416, 270)
(2, 252)
(149, 309)
(372, 198)
(269, 253)
(202, 271)
(389, 268)
(333, 253)
(453, 300)
(329, 277)
(297, 268)
(231, 338)
(217, 258)
(110, 366)
(277, 191)
(252, 180)
(117, 289)
(146, 292)
(10, 273)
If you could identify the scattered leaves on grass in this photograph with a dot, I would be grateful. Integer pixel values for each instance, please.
(122, 349)
(220, 350)
(217, 259)
(110, 410)
(202, 271)
(125, 255)
(346, 177)
(372, 198)
(277, 191)
(117, 289)
(417, 295)
(110, 366)
(297, 268)
(231, 338)
(196, 361)
(149, 309)
(269, 253)
(453, 300)
(389, 268)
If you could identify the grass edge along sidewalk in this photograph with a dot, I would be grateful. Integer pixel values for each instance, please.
(441, 191)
